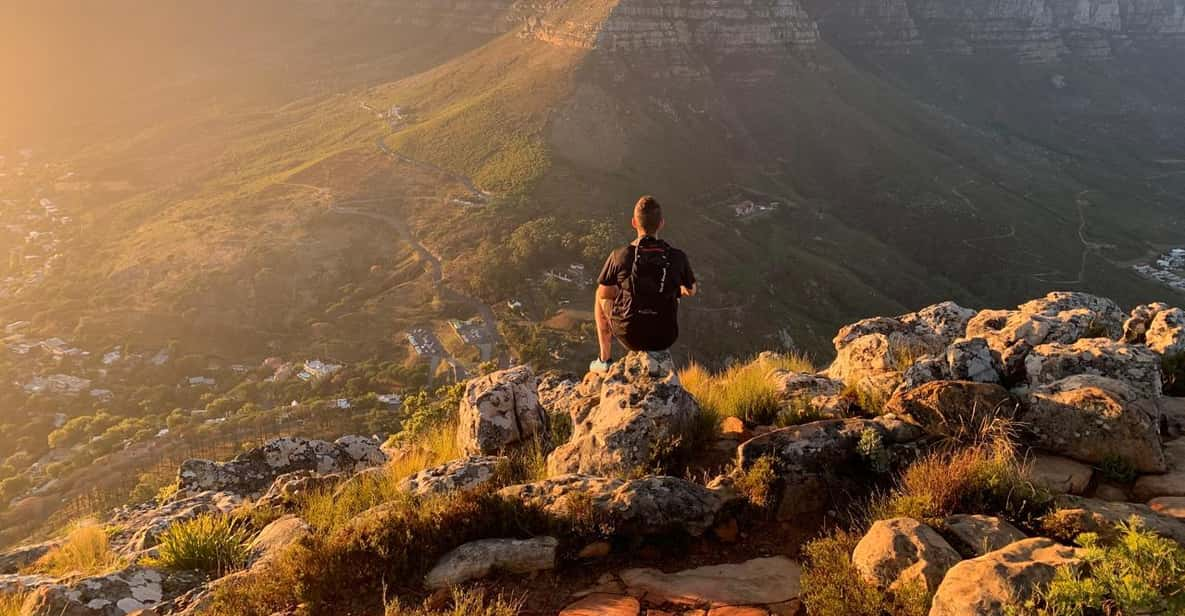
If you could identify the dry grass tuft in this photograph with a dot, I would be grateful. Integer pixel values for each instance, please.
(11, 603)
(743, 389)
(86, 551)
(471, 602)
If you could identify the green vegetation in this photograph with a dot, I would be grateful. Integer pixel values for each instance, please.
(744, 390)
(471, 602)
(831, 585)
(85, 551)
(872, 448)
(1118, 469)
(215, 543)
(756, 483)
(1136, 572)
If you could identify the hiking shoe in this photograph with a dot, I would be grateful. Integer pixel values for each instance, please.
(598, 366)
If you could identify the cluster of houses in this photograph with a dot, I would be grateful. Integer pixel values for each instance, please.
(311, 370)
(473, 331)
(424, 342)
(574, 274)
(1169, 269)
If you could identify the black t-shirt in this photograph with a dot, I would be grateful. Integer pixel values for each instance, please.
(636, 332)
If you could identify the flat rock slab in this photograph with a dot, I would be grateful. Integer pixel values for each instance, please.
(761, 581)
(1172, 506)
(477, 559)
(982, 533)
(601, 604)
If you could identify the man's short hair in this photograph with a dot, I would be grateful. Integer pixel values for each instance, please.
(648, 214)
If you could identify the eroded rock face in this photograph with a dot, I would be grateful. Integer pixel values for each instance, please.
(925, 370)
(981, 534)
(803, 385)
(252, 473)
(1166, 332)
(879, 26)
(1134, 365)
(1023, 31)
(722, 28)
(953, 408)
(641, 410)
(116, 594)
(1058, 317)
(882, 344)
(1136, 325)
(986, 585)
(500, 411)
(903, 551)
(652, 505)
(971, 359)
(1091, 418)
(464, 475)
(478, 559)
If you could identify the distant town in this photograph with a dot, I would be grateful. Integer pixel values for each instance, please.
(1169, 269)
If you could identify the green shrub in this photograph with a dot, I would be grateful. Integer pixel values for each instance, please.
(472, 602)
(831, 585)
(756, 483)
(872, 450)
(214, 543)
(1118, 469)
(1136, 573)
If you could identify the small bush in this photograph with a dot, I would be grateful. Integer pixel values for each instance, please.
(1118, 469)
(870, 400)
(872, 450)
(985, 478)
(471, 602)
(831, 585)
(1137, 573)
(86, 551)
(214, 543)
(756, 483)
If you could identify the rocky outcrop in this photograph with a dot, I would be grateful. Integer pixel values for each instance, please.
(882, 344)
(463, 475)
(953, 408)
(722, 28)
(478, 559)
(988, 584)
(821, 446)
(981, 534)
(883, 27)
(15, 559)
(1092, 418)
(115, 594)
(1166, 332)
(641, 411)
(141, 526)
(652, 505)
(1136, 326)
(901, 552)
(500, 411)
(252, 473)
(1154, 24)
(1134, 365)
(288, 489)
(1075, 515)
(971, 359)
(1058, 317)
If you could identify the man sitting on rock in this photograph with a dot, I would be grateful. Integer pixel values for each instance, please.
(639, 289)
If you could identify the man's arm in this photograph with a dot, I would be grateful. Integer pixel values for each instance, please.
(601, 308)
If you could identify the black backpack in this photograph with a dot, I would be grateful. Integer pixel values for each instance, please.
(650, 294)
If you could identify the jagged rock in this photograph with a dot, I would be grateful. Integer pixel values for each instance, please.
(642, 409)
(1082, 515)
(1172, 482)
(1135, 365)
(559, 392)
(971, 359)
(464, 475)
(1059, 317)
(1172, 506)
(1109, 317)
(1057, 474)
(652, 505)
(761, 581)
(15, 559)
(1136, 326)
(953, 408)
(1166, 332)
(982, 533)
(502, 410)
(143, 525)
(1091, 418)
(477, 559)
(115, 594)
(988, 584)
(903, 551)
(288, 488)
(253, 472)
(925, 370)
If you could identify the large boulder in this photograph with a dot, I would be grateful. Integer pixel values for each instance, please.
(793, 386)
(1058, 474)
(1092, 418)
(114, 594)
(922, 371)
(953, 408)
(903, 552)
(980, 534)
(1074, 514)
(465, 475)
(651, 505)
(641, 412)
(1166, 332)
(501, 410)
(990, 584)
(1132, 364)
(1170, 483)
(876, 353)
(1107, 315)
(478, 559)
(252, 473)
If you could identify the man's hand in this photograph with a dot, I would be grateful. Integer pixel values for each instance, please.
(689, 291)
